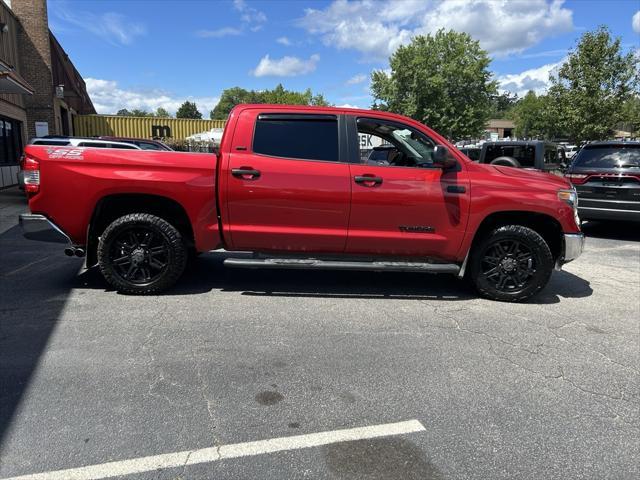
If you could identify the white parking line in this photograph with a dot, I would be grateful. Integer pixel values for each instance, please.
(213, 454)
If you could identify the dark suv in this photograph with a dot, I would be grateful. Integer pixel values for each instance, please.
(536, 154)
(607, 178)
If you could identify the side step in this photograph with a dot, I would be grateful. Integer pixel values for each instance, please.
(312, 263)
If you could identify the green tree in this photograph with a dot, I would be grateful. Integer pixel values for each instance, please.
(631, 115)
(536, 116)
(502, 104)
(279, 95)
(123, 112)
(136, 112)
(592, 86)
(188, 110)
(441, 80)
(161, 112)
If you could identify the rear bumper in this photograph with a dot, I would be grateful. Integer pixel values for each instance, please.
(39, 227)
(572, 248)
(594, 213)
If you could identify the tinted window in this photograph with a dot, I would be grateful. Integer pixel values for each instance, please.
(59, 143)
(149, 146)
(524, 154)
(608, 156)
(310, 137)
(551, 154)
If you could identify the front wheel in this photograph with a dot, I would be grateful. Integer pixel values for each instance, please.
(511, 264)
(141, 254)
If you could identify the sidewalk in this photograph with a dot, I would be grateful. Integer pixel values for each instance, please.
(12, 203)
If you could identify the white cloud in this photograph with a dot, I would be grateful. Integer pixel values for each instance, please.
(284, 41)
(536, 79)
(376, 28)
(253, 17)
(285, 66)
(108, 97)
(111, 27)
(635, 22)
(218, 33)
(347, 105)
(356, 79)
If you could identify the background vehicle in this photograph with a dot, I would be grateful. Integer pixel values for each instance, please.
(570, 151)
(143, 143)
(606, 176)
(70, 141)
(291, 185)
(472, 152)
(535, 154)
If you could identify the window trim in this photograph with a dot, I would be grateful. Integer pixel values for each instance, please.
(342, 157)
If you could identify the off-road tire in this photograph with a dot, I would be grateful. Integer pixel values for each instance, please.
(542, 263)
(175, 253)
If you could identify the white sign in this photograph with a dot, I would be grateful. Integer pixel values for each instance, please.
(369, 142)
(42, 129)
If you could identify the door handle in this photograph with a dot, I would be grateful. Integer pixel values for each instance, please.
(244, 172)
(456, 189)
(368, 180)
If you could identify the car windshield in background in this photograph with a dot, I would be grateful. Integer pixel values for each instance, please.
(524, 154)
(609, 156)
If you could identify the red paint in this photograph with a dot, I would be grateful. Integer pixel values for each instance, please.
(297, 205)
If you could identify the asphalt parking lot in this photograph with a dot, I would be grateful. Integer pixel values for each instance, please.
(546, 389)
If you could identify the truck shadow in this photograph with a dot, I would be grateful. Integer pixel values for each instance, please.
(35, 282)
(208, 273)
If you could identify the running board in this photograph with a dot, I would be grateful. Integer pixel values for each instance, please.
(312, 263)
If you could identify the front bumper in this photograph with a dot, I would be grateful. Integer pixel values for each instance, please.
(572, 248)
(39, 227)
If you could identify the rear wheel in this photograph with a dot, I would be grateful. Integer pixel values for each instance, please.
(511, 264)
(141, 253)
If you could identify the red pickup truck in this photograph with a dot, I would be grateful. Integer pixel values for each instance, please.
(296, 186)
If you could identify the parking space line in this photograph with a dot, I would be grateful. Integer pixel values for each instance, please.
(237, 450)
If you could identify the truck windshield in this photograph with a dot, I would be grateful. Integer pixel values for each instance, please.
(608, 156)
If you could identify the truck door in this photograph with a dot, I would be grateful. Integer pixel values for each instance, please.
(400, 203)
(287, 183)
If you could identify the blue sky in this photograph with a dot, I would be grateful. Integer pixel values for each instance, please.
(151, 53)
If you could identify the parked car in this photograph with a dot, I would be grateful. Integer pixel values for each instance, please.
(289, 184)
(60, 141)
(606, 176)
(472, 152)
(534, 154)
(143, 143)
(570, 151)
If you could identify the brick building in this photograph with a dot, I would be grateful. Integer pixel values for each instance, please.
(40, 89)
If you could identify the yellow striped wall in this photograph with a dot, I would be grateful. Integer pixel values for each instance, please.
(141, 127)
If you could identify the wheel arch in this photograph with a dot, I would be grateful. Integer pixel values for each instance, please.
(545, 225)
(111, 207)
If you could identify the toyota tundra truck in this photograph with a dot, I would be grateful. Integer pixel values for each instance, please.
(292, 185)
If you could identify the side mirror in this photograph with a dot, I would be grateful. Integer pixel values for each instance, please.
(443, 158)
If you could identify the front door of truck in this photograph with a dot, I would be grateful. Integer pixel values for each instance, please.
(287, 188)
(401, 204)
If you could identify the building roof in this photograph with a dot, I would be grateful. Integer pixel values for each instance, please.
(12, 82)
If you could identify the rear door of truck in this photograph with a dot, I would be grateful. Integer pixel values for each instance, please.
(286, 183)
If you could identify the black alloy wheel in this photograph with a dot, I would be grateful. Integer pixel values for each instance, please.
(141, 253)
(511, 264)
(508, 265)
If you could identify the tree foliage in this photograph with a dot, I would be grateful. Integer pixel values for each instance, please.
(161, 112)
(502, 104)
(591, 87)
(441, 80)
(188, 110)
(279, 95)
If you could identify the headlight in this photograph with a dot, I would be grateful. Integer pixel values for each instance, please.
(569, 196)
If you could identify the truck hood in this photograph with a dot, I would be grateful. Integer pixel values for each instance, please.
(524, 174)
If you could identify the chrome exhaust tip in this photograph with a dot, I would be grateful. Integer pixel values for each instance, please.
(79, 252)
(68, 252)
